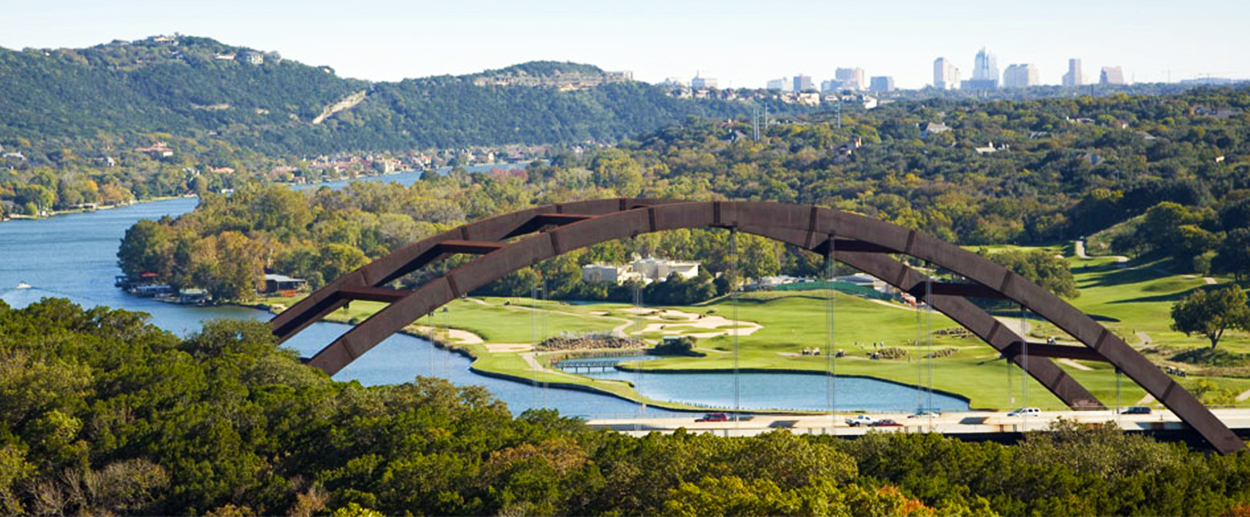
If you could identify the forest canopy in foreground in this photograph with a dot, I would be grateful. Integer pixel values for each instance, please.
(102, 413)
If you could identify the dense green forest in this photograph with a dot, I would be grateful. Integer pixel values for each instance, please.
(101, 413)
(1172, 182)
(75, 120)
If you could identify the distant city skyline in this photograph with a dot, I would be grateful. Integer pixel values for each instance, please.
(741, 44)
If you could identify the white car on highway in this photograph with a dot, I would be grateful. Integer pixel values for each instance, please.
(1026, 411)
(859, 420)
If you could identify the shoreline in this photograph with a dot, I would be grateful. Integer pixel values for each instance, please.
(56, 213)
(671, 406)
(798, 371)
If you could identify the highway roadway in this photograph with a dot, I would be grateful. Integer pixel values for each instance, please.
(972, 423)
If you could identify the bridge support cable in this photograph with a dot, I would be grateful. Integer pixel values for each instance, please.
(1117, 397)
(918, 348)
(429, 319)
(535, 339)
(642, 407)
(928, 339)
(611, 219)
(1024, 361)
(831, 300)
(1011, 392)
(543, 296)
(733, 294)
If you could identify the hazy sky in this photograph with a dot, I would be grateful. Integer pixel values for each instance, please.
(742, 43)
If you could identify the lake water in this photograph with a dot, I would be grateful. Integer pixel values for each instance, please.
(757, 391)
(74, 256)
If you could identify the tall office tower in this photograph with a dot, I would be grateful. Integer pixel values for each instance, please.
(1111, 75)
(851, 78)
(1074, 77)
(830, 85)
(777, 85)
(702, 83)
(881, 84)
(945, 75)
(803, 83)
(1021, 76)
(986, 69)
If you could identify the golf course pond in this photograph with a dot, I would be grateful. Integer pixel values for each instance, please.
(74, 256)
(773, 390)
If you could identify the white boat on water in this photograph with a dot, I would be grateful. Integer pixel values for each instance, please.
(23, 285)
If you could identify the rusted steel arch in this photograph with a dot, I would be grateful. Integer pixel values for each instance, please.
(1106, 345)
(570, 226)
(361, 285)
(958, 308)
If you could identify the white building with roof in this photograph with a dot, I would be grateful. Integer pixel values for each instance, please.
(645, 270)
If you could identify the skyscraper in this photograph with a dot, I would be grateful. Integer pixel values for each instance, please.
(803, 83)
(851, 78)
(986, 68)
(1074, 77)
(945, 75)
(1111, 75)
(881, 84)
(1021, 76)
(777, 85)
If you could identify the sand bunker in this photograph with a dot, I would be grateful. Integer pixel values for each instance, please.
(671, 322)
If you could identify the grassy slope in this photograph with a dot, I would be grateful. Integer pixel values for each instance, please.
(1126, 299)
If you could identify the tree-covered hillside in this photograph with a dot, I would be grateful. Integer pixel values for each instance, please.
(197, 87)
(1175, 180)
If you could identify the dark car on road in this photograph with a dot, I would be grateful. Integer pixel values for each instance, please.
(885, 423)
(1136, 410)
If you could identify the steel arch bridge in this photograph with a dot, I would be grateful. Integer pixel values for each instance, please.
(509, 242)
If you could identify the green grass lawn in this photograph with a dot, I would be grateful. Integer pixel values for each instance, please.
(1127, 298)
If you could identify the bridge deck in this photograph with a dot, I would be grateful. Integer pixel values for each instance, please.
(972, 423)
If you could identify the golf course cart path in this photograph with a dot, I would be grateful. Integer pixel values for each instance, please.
(1144, 337)
(1079, 247)
(1022, 327)
(1074, 364)
(891, 304)
(535, 366)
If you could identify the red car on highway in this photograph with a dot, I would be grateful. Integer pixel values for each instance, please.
(714, 417)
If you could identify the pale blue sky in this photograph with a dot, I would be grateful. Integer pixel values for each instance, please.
(742, 43)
